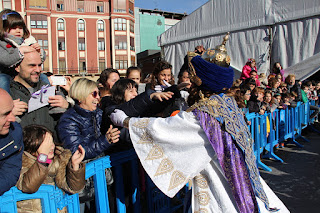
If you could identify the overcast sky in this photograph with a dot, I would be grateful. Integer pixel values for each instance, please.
(178, 6)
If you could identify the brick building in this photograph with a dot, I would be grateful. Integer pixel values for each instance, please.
(81, 37)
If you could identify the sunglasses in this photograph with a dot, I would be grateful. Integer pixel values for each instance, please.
(95, 94)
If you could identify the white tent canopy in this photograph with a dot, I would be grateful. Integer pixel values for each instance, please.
(287, 31)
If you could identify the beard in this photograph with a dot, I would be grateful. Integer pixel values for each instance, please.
(30, 82)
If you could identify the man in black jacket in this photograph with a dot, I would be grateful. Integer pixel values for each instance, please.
(26, 82)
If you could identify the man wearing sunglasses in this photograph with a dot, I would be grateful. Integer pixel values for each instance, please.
(26, 82)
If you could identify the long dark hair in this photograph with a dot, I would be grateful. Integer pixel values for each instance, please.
(161, 65)
(33, 136)
(119, 88)
(275, 69)
(10, 21)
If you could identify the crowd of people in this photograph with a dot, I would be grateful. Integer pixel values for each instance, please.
(74, 127)
(266, 93)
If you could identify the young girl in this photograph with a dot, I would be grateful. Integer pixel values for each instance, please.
(134, 73)
(44, 163)
(247, 68)
(14, 37)
(162, 76)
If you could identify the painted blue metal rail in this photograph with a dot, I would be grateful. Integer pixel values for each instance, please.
(52, 198)
(270, 129)
(267, 131)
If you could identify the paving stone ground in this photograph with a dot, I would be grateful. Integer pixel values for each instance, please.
(297, 181)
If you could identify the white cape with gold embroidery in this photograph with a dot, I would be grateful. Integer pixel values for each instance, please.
(175, 150)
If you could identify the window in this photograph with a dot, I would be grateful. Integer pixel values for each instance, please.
(120, 24)
(120, 42)
(81, 44)
(131, 43)
(99, 7)
(61, 44)
(37, 4)
(43, 43)
(60, 24)
(62, 66)
(133, 61)
(101, 44)
(80, 5)
(100, 25)
(42, 40)
(6, 4)
(60, 5)
(38, 21)
(131, 26)
(119, 6)
(131, 8)
(102, 65)
(82, 65)
(81, 25)
(121, 62)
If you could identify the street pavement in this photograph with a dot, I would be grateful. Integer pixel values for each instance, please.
(297, 181)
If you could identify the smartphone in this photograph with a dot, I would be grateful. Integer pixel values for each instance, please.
(58, 80)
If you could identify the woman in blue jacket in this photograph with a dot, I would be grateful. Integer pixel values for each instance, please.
(80, 125)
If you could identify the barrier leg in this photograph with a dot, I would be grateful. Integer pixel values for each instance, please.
(314, 129)
(264, 166)
(296, 142)
(101, 192)
(120, 200)
(135, 187)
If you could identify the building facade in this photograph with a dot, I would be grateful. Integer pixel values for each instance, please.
(81, 37)
(157, 20)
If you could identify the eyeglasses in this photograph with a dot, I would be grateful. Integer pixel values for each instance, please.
(95, 94)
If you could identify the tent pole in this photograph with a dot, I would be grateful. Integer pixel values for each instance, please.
(270, 48)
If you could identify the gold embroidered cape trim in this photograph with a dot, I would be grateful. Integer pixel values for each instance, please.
(156, 153)
(225, 109)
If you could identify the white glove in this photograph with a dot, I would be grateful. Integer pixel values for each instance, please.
(117, 117)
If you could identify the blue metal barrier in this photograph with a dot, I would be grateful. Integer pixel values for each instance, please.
(52, 198)
(283, 125)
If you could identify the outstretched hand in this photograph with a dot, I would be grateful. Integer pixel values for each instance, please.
(183, 85)
(68, 84)
(58, 101)
(77, 158)
(117, 117)
(113, 135)
(161, 95)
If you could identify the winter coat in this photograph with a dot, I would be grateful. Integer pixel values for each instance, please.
(40, 116)
(11, 55)
(134, 108)
(297, 89)
(59, 173)
(246, 72)
(78, 126)
(11, 149)
(254, 104)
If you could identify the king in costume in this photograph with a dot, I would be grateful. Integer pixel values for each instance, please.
(209, 144)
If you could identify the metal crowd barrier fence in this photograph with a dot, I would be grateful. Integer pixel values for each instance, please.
(52, 198)
(267, 131)
(272, 128)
